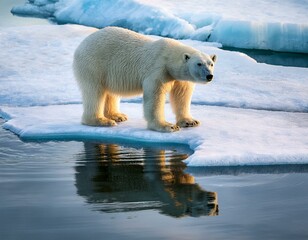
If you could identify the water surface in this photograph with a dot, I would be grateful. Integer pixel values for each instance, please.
(275, 58)
(87, 190)
(8, 20)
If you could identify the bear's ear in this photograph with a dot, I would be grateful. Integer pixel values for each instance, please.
(186, 57)
(214, 58)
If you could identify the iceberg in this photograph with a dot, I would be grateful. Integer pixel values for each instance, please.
(128, 14)
(283, 29)
(283, 37)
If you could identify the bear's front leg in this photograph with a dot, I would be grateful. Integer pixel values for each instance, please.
(153, 107)
(180, 99)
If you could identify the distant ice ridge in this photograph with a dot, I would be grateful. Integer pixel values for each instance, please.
(284, 37)
(158, 18)
(123, 13)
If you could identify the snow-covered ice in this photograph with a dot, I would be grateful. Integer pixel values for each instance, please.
(38, 59)
(227, 136)
(239, 80)
(39, 99)
(269, 24)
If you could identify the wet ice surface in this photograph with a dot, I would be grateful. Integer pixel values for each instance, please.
(51, 190)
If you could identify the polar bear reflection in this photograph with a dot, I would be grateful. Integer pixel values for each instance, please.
(115, 178)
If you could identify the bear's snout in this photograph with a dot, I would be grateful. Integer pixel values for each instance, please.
(209, 77)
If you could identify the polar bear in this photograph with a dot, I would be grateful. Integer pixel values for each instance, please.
(116, 62)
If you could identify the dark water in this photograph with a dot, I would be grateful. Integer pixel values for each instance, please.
(88, 190)
(8, 20)
(275, 58)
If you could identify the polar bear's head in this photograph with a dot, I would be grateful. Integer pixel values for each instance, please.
(200, 66)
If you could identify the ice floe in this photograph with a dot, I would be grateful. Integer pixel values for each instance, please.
(39, 100)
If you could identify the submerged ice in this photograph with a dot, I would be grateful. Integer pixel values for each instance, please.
(198, 20)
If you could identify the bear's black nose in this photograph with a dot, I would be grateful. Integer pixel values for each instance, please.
(209, 77)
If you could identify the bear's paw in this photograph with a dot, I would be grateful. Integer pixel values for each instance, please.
(188, 122)
(118, 117)
(165, 127)
(106, 122)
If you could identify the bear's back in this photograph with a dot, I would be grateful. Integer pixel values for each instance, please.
(123, 35)
(113, 40)
(117, 57)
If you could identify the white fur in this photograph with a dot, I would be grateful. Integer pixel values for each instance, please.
(115, 62)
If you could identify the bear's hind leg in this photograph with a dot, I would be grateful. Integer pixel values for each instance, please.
(93, 108)
(180, 98)
(112, 106)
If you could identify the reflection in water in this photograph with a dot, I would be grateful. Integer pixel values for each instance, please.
(117, 179)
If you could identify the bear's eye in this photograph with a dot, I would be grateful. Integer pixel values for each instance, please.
(187, 57)
(199, 64)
